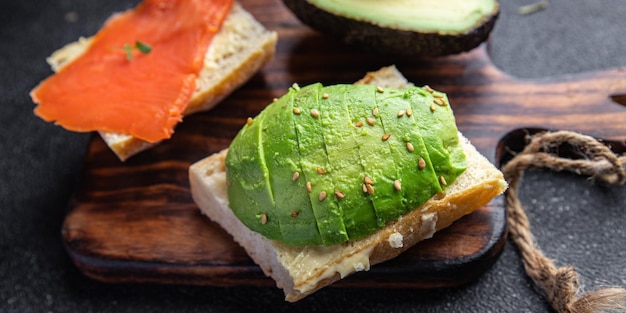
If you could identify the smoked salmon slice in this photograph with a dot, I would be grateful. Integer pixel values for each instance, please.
(114, 87)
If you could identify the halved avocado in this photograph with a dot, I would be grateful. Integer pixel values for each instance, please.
(407, 27)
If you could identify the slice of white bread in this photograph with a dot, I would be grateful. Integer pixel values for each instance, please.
(237, 52)
(300, 271)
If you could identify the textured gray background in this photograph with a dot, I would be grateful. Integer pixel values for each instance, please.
(574, 221)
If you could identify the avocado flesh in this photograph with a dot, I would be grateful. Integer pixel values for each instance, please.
(313, 157)
(449, 16)
(444, 28)
(417, 184)
(343, 154)
(440, 134)
(375, 154)
(280, 146)
(249, 192)
(280, 142)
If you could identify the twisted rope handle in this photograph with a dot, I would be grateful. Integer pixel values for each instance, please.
(560, 284)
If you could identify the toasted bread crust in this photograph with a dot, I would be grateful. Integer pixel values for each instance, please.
(238, 51)
(287, 265)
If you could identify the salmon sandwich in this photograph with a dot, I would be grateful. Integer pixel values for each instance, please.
(147, 67)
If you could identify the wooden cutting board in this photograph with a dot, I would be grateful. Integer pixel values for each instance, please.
(136, 222)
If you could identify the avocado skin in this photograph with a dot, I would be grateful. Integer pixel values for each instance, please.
(383, 40)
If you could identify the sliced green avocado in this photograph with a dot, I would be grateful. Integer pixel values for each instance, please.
(345, 161)
(375, 154)
(249, 188)
(417, 28)
(324, 165)
(438, 128)
(315, 166)
(282, 154)
(417, 181)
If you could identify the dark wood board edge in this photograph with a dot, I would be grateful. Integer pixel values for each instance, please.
(418, 267)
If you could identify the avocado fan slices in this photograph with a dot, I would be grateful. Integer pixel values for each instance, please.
(324, 165)
(417, 181)
(315, 166)
(344, 157)
(249, 189)
(379, 171)
(293, 209)
(438, 128)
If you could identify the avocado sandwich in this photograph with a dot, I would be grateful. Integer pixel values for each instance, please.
(330, 180)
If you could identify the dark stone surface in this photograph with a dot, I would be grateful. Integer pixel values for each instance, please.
(567, 37)
(574, 222)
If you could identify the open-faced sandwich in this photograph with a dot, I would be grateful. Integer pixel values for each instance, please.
(149, 66)
(329, 180)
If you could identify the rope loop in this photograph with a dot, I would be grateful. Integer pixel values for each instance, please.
(560, 286)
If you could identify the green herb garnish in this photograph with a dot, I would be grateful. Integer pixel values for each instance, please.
(143, 47)
(140, 46)
(129, 52)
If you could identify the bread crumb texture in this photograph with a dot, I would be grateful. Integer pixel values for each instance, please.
(395, 240)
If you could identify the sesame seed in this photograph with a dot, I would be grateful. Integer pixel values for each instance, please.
(370, 121)
(385, 137)
(370, 189)
(409, 146)
(339, 194)
(432, 107)
(296, 86)
(438, 101)
(308, 186)
(375, 112)
(380, 89)
(321, 171)
(297, 111)
(421, 163)
(397, 185)
(263, 218)
(322, 196)
(401, 113)
(249, 121)
(443, 180)
(275, 99)
(315, 113)
(325, 96)
(359, 124)
(364, 188)
(438, 95)
(294, 214)
(409, 112)
(429, 89)
(368, 180)
(295, 177)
